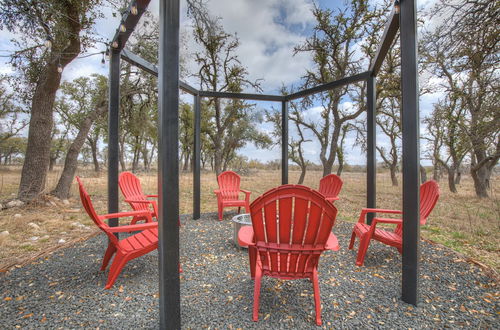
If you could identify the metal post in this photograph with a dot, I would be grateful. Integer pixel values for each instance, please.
(411, 152)
(371, 143)
(284, 142)
(196, 160)
(113, 132)
(168, 165)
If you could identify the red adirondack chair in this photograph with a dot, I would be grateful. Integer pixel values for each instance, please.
(130, 185)
(429, 195)
(330, 186)
(126, 249)
(228, 193)
(286, 242)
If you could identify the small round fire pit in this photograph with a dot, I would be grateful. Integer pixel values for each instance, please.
(239, 221)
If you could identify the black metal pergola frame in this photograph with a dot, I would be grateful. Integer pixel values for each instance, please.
(402, 18)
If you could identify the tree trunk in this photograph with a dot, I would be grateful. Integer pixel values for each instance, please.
(480, 178)
(458, 177)
(340, 168)
(394, 177)
(423, 174)
(435, 172)
(185, 165)
(52, 162)
(135, 158)
(145, 159)
(451, 179)
(95, 160)
(481, 167)
(36, 161)
(122, 156)
(327, 168)
(217, 164)
(71, 161)
(340, 155)
(302, 174)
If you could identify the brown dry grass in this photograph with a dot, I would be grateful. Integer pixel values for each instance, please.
(461, 221)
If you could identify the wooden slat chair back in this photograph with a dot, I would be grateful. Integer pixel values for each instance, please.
(429, 195)
(330, 187)
(131, 188)
(126, 249)
(291, 227)
(89, 208)
(228, 193)
(229, 185)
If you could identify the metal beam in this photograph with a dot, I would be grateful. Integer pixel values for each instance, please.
(141, 63)
(411, 151)
(168, 165)
(113, 134)
(390, 32)
(242, 96)
(197, 158)
(371, 143)
(328, 86)
(284, 142)
(129, 21)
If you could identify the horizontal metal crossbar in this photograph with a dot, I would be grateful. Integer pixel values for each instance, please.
(390, 32)
(243, 96)
(138, 61)
(328, 86)
(141, 63)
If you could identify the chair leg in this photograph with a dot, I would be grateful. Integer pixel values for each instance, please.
(239, 209)
(247, 208)
(256, 295)
(364, 241)
(107, 256)
(353, 239)
(116, 267)
(220, 212)
(317, 298)
(252, 256)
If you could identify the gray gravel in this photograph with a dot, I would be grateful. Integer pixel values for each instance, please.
(65, 290)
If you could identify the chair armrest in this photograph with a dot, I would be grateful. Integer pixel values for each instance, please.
(365, 211)
(126, 214)
(245, 191)
(138, 201)
(369, 210)
(217, 191)
(137, 227)
(245, 236)
(386, 220)
(152, 196)
(332, 243)
(332, 199)
(373, 226)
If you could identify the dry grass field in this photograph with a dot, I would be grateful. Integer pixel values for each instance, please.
(460, 221)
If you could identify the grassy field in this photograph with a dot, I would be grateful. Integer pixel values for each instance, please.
(460, 221)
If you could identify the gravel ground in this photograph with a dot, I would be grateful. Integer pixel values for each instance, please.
(66, 290)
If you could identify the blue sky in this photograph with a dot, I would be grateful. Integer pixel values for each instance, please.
(268, 30)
